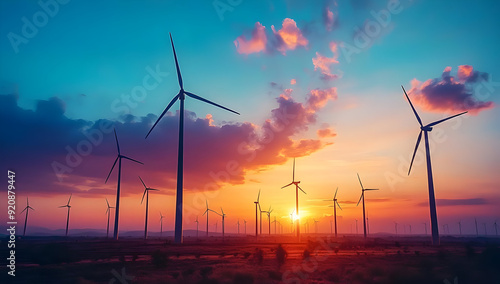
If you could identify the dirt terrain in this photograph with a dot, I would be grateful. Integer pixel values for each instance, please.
(316, 259)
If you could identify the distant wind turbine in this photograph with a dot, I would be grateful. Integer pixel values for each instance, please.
(268, 212)
(297, 187)
(496, 229)
(27, 209)
(197, 223)
(275, 225)
(238, 223)
(425, 227)
(146, 193)
(335, 204)
(315, 226)
(432, 201)
(180, 155)
(477, 231)
(67, 219)
(117, 204)
(161, 224)
(257, 205)
(108, 211)
(245, 221)
(362, 197)
(206, 212)
(460, 227)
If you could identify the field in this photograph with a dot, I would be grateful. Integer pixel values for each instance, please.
(316, 259)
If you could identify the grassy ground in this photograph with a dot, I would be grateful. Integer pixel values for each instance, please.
(245, 260)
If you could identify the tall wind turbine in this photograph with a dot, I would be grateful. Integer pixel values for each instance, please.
(118, 159)
(335, 204)
(297, 187)
(108, 211)
(27, 209)
(180, 155)
(146, 193)
(257, 205)
(432, 201)
(362, 197)
(67, 219)
(161, 224)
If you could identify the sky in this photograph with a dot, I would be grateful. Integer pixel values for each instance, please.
(318, 81)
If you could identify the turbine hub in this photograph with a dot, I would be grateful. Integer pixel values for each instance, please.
(426, 128)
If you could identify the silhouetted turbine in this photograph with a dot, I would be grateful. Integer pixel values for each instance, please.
(27, 209)
(67, 219)
(256, 220)
(146, 192)
(180, 155)
(108, 212)
(161, 224)
(432, 201)
(335, 204)
(297, 187)
(118, 159)
(362, 197)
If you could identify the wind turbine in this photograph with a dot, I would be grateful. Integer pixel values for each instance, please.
(27, 209)
(496, 229)
(146, 193)
(335, 204)
(67, 219)
(206, 212)
(432, 201)
(260, 210)
(238, 223)
(315, 226)
(362, 197)
(108, 211)
(197, 223)
(297, 187)
(460, 227)
(275, 225)
(245, 221)
(180, 155)
(223, 216)
(161, 224)
(117, 204)
(269, 218)
(425, 227)
(256, 220)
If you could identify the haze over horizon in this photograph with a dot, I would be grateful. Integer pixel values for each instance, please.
(321, 83)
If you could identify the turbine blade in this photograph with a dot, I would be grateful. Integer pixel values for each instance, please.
(336, 192)
(133, 160)
(204, 213)
(163, 113)
(209, 102)
(338, 205)
(145, 190)
(142, 182)
(258, 196)
(117, 144)
(287, 185)
(360, 182)
(179, 77)
(107, 210)
(439, 121)
(371, 188)
(301, 189)
(31, 208)
(206, 201)
(27, 201)
(414, 110)
(360, 198)
(24, 210)
(293, 174)
(154, 189)
(116, 160)
(69, 200)
(415, 151)
(107, 202)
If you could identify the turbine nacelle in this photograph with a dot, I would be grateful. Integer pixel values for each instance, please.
(426, 128)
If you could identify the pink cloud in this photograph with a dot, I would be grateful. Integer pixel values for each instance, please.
(293, 81)
(289, 36)
(318, 98)
(255, 44)
(326, 133)
(324, 63)
(450, 94)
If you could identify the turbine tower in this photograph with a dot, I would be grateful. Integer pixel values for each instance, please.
(268, 212)
(432, 201)
(27, 209)
(67, 219)
(197, 223)
(245, 222)
(238, 223)
(180, 155)
(146, 193)
(297, 187)
(108, 211)
(206, 212)
(362, 197)
(335, 204)
(257, 205)
(118, 159)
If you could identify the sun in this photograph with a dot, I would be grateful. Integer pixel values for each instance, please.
(295, 217)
